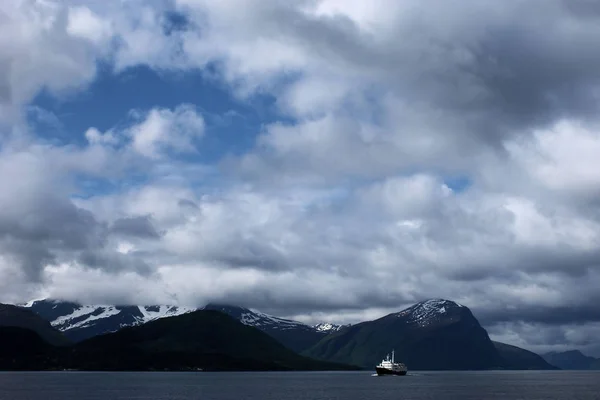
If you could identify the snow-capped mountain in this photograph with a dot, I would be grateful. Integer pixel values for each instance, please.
(293, 334)
(434, 334)
(79, 322)
(431, 311)
(257, 318)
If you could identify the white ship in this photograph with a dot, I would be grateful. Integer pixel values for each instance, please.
(390, 367)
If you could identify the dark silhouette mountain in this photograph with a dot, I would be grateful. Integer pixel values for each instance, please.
(23, 350)
(13, 316)
(517, 358)
(292, 334)
(206, 340)
(79, 322)
(431, 335)
(573, 359)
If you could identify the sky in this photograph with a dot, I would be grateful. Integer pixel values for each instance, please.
(328, 160)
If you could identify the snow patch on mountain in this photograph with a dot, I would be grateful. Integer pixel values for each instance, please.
(327, 327)
(426, 312)
(269, 322)
(80, 322)
(66, 316)
(91, 313)
(30, 303)
(150, 313)
(258, 319)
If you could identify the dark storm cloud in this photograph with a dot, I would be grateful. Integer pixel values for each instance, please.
(39, 234)
(561, 259)
(543, 338)
(55, 221)
(476, 73)
(555, 315)
(241, 252)
(186, 203)
(583, 8)
(141, 227)
(114, 262)
(538, 74)
(516, 70)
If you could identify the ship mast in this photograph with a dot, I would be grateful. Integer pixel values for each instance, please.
(392, 356)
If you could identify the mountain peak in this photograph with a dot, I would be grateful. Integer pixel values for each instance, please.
(428, 311)
(256, 318)
(440, 303)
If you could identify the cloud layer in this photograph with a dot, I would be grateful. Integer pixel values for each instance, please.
(418, 152)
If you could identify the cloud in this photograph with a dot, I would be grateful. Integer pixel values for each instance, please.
(94, 136)
(140, 226)
(38, 52)
(84, 23)
(344, 208)
(460, 82)
(37, 222)
(562, 158)
(164, 129)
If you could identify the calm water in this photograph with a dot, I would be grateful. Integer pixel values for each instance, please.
(299, 386)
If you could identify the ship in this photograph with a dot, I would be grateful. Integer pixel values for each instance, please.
(389, 367)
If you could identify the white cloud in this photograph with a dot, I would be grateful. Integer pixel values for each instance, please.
(36, 51)
(84, 23)
(94, 136)
(562, 158)
(163, 129)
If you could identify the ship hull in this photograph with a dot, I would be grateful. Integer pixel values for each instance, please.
(385, 371)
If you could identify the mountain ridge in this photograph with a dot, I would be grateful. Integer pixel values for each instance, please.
(572, 360)
(80, 322)
(17, 317)
(201, 340)
(295, 335)
(434, 334)
(425, 317)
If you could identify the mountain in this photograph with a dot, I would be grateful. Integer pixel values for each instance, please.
(79, 322)
(573, 359)
(23, 349)
(206, 340)
(13, 316)
(432, 321)
(435, 334)
(292, 334)
(518, 358)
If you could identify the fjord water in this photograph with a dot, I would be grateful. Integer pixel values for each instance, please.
(547, 385)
